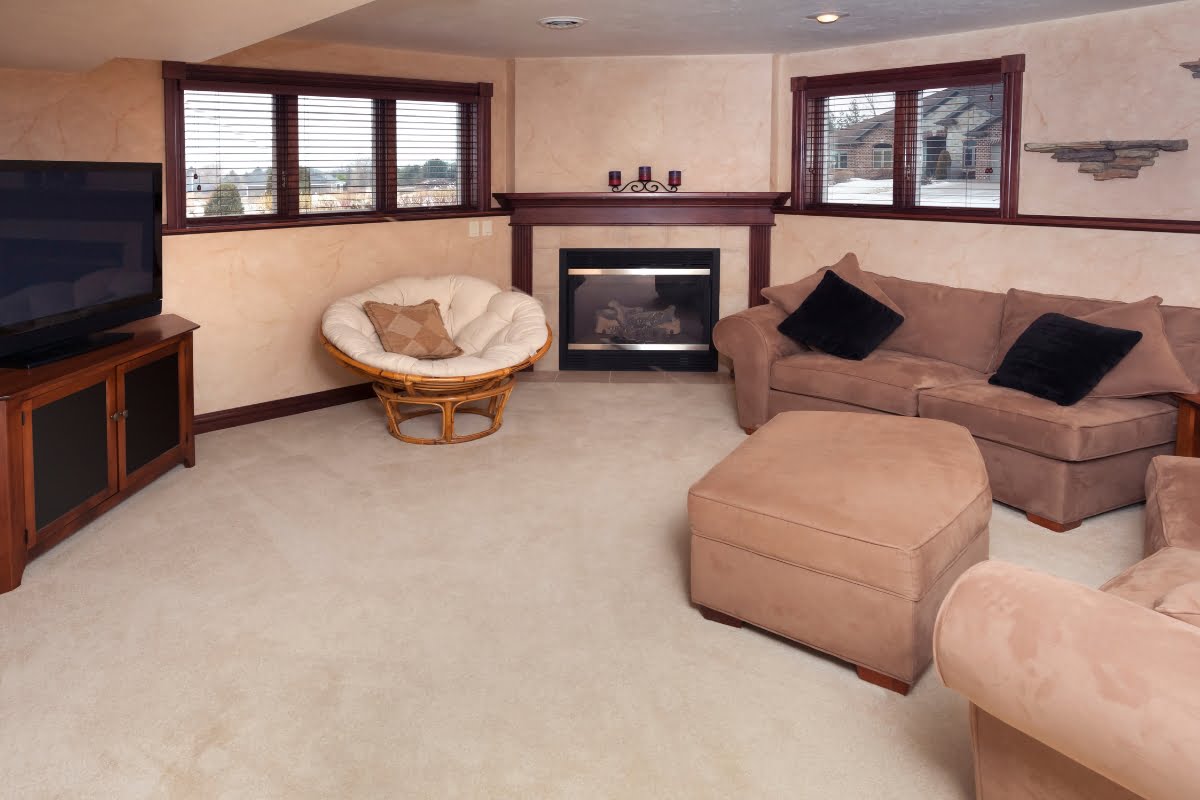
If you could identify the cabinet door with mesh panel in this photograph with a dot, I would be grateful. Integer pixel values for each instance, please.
(71, 442)
(150, 398)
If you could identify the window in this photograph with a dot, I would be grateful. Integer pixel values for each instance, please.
(939, 140)
(969, 153)
(882, 158)
(255, 148)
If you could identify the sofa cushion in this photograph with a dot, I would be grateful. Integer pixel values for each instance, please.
(1022, 307)
(1182, 603)
(884, 381)
(840, 319)
(961, 326)
(1063, 358)
(1173, 503)
(1152, 366)
(1092, 428)
(789, 296)
(1147, 582)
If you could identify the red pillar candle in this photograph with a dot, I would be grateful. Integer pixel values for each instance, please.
(674, 178)
(644, 174)
(614, 177)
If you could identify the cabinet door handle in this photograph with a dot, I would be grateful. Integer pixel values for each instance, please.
(125, 413)
(120, 415)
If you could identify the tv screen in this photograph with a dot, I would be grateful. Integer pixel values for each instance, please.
(80, 248)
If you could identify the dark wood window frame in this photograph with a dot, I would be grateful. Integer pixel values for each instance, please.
(476, 99)
(1008, 70)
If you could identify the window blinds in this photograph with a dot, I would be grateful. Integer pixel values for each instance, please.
(336, 144)
(229, 154)
(431, 156)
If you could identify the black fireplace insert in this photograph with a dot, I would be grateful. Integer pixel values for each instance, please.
(640, 309)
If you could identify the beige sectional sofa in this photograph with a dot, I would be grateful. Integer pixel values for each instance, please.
(1058, 464)
(1078, 694)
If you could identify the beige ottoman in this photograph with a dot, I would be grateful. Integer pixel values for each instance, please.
(842, 531)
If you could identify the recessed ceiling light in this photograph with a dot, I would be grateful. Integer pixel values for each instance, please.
(826, 17)
(561, 23)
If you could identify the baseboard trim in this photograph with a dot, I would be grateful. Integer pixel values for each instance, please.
(283, 407)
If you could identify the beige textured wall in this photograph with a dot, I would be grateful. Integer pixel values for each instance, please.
(257, 295)
(708, 116)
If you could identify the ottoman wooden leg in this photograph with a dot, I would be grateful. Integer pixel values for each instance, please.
(1049, 524)
(717, 616)
(886, 681)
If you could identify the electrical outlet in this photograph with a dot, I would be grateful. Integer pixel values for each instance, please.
(487, 227)
(473, 228)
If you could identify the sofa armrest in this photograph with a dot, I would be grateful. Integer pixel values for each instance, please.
(1105, 682)
(1173, 503)
(752, 340)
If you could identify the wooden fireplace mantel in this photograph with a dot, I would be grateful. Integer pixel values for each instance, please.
(755, 210)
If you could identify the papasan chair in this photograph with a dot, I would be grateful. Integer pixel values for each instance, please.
(499, 332)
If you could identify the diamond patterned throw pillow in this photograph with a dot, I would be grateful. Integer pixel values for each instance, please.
(416, 331)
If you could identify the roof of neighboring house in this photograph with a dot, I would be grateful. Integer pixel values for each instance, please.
(854, 134)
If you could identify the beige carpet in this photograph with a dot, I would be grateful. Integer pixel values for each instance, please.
(318, 611)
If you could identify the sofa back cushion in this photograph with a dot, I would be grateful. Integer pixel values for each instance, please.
(1183, 331)
(961, 326)
(1022, 307)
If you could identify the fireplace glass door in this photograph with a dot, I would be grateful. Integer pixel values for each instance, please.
(638, 309)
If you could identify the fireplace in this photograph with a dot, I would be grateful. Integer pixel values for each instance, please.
(638, 309)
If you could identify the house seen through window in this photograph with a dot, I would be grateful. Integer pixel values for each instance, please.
(934, 141)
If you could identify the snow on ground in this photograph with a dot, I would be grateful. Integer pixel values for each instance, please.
(964, 193)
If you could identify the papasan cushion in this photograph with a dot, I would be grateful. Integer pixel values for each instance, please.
(495, 329)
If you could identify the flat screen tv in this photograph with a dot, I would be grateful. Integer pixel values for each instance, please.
(80, 252)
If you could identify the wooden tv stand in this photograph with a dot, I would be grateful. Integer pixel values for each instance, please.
(82, 434)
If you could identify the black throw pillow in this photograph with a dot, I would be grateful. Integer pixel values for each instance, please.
(1061, 358)
(840, 319)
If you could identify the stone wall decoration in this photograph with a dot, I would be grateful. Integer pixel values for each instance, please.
(1194, 66)
(1105, 160)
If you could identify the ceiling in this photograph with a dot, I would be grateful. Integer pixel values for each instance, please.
(81, 34)
(507, 28)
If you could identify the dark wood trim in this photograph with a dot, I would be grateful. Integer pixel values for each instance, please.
(284, 407)
(1032, 220)
(904, 151)
(799, 141)
(357, 219)
(1010, 136)
(260, 80)
(610, 208)
(754, 209)
(287, 157)
(174, 196)
(481, 133)
(956, 73)
(760, 263)
(385, 155)
(522, 258)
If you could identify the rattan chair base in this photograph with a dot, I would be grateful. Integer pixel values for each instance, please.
(395, 400)
(399, 392)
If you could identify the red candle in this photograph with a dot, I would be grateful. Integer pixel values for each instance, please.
(614, 177)
(674, 178)
(644, 173)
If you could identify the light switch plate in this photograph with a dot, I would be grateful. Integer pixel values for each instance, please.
(473, 228)
(487, 227)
